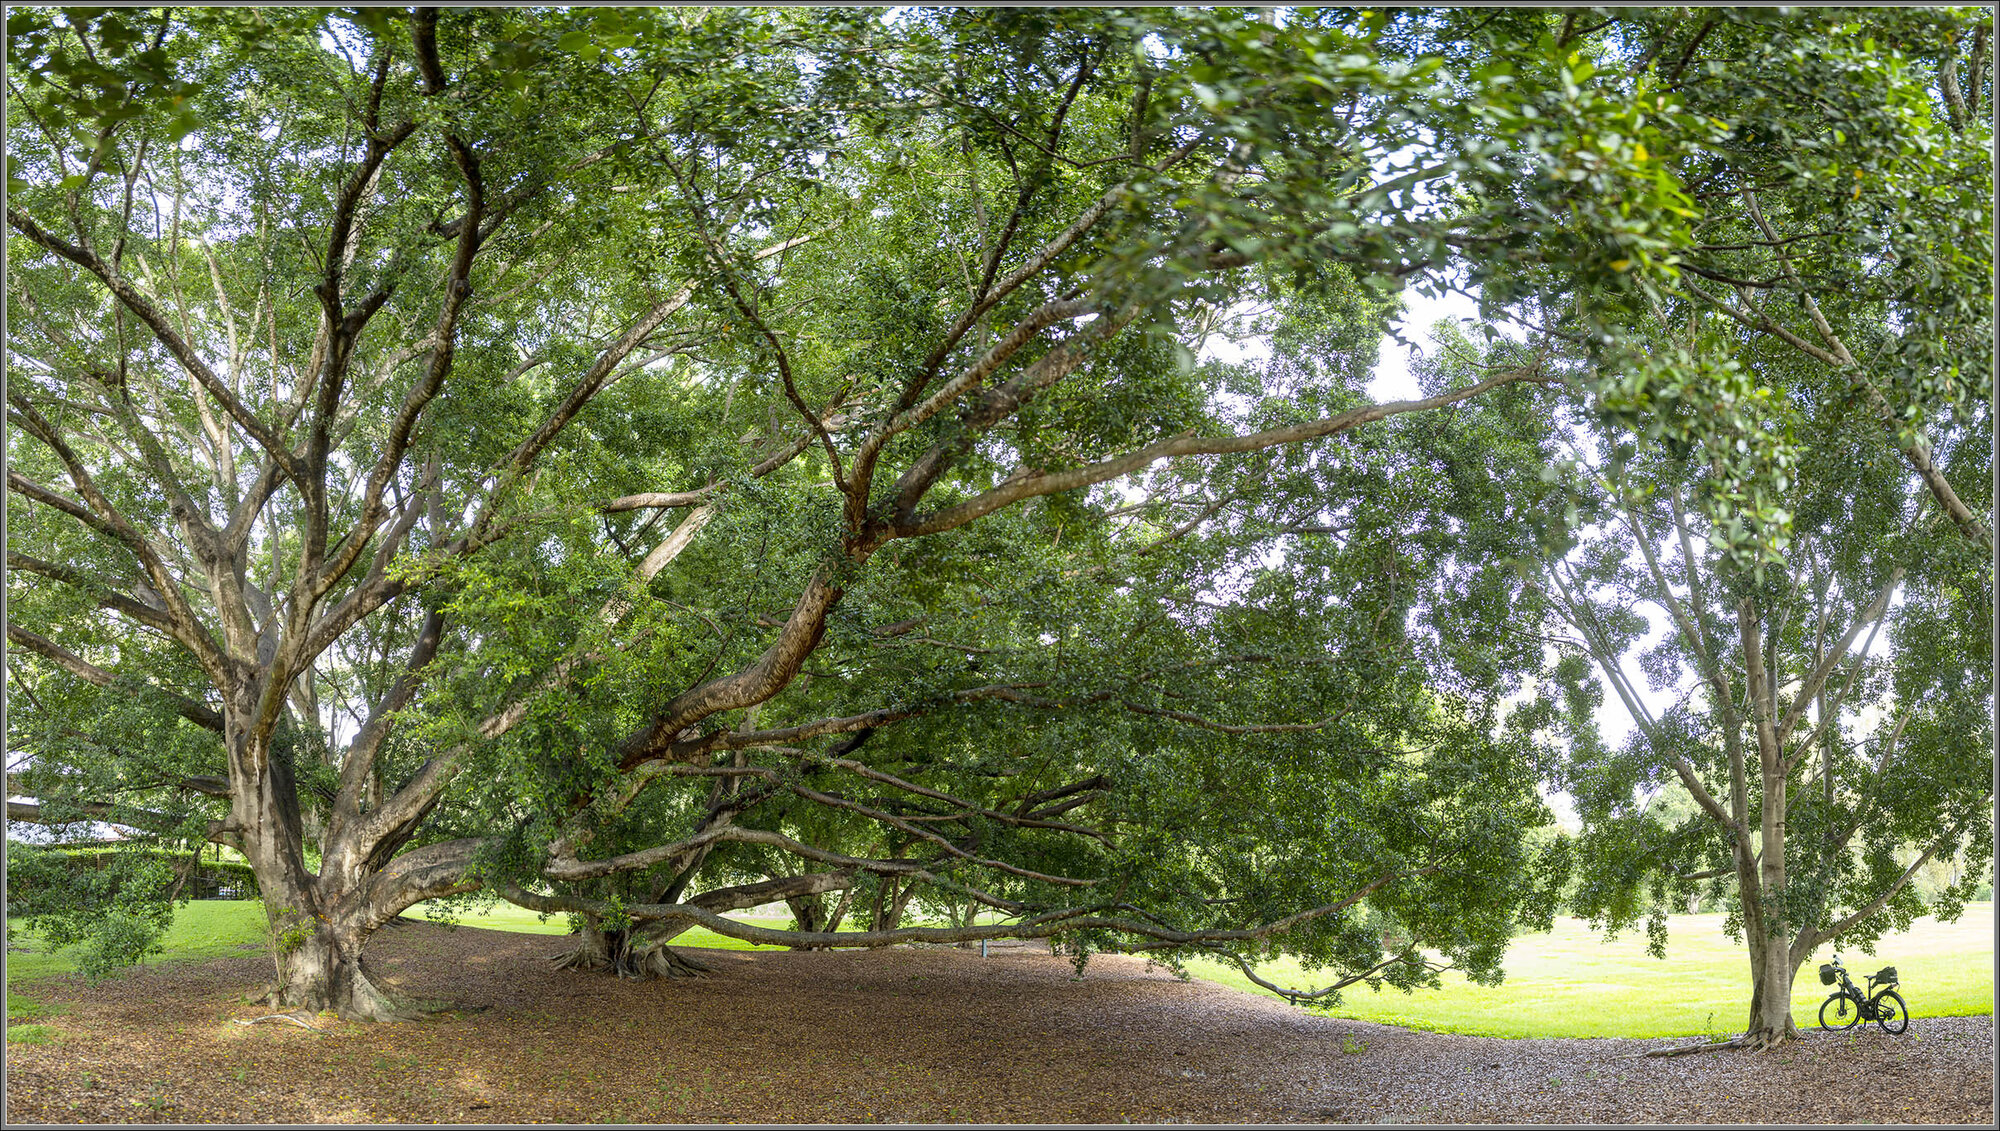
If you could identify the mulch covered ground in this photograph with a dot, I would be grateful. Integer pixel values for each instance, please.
(900, 1035)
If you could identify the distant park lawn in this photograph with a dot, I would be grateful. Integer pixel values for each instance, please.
(507, 917)
(1567, 983)
(201, 930)
(230, 928)
(1571, 983)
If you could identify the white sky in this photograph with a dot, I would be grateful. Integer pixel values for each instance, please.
(1393, 381)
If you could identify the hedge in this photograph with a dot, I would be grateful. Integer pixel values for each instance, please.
(212, 879)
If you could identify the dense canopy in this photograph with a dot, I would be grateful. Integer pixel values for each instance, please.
(645, 464)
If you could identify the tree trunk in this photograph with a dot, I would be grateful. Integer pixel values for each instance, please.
(887, 910)
(320, 924)
(807, 912)
(840, 910)
(316, 946)
(1771, 982)
(640, 953)
(832, 921)
(891, 897)
(1772, 965)
(323, 969)
(647, 954)
(902, 901)
(1771, 995)
(316, 936)
(593, 952)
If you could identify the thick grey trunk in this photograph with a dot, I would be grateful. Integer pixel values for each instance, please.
(639, 953)
(1763, 884)
(828, 922)
(808, 911)
(891, 898)
(592, 952)
(1772, 965)
(320, 924)
(320, 967)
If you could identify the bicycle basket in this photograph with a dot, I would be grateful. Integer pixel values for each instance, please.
(1887, 976)
(1825, 974)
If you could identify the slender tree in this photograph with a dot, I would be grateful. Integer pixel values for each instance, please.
(1811, 527)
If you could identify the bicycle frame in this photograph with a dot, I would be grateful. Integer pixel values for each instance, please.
(1862, 1004)
(1864, 1001)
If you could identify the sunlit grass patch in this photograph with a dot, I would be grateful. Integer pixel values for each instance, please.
(701, 937)
(21, 1007)
(507, 917)
(1570, 982)
(32, 1035)
(207, 929)
(204, 929)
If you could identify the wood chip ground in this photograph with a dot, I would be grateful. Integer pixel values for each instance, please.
(900, 1035)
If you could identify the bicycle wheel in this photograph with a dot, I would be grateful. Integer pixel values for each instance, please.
(1839, 1013)
(1894, 1018)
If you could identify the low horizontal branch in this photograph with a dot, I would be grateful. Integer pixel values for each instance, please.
(1036, 927)
(1408, 956)
(1229, 728)
(938, 795)
(941, 842)
(573, 869)
(1028, 483)
(771, 890)
(124, 816)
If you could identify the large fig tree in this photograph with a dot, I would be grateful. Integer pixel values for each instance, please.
(539, 451)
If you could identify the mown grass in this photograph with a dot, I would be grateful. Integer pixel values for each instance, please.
(1570, 982)
(32, 1035)
(203, 929)
(507, 917)
(206, 929)
(230, 928)
(21, 1007)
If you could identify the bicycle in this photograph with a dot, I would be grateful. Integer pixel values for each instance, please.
(1879, 1004)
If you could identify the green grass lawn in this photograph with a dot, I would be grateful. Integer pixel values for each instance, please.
(1566, 983)
(204, 929)
(1571, 983)
(507, 917)
(223, 928)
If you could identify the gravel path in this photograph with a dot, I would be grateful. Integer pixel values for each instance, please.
(1326, 1070)
(902, 1035)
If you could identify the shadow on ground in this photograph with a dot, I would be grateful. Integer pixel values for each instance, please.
(898, 1035)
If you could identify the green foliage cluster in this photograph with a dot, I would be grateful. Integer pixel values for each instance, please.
(118, 912)
(203, 876)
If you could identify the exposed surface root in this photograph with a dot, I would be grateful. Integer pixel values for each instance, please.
(293, 1018)
(1707, 1046)
(666, 962)
(628, 961)
(1755, 1042)
(587, 959)
(1768, 1041)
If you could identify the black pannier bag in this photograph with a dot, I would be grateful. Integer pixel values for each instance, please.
(1887, 976)
(1825, 974)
